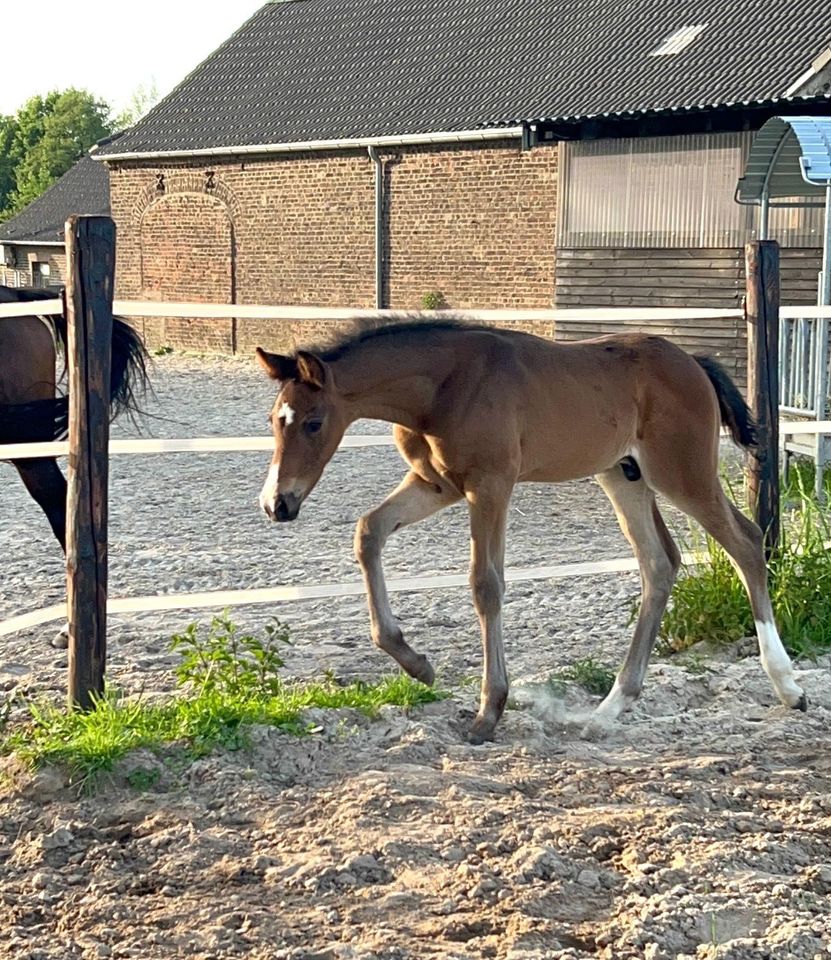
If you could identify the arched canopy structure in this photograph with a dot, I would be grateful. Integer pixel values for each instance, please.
(790, 162)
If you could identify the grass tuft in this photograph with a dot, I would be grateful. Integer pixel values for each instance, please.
(228, 682)
(593, 676)
(710, 603)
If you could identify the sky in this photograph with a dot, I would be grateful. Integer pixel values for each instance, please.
(112, 49)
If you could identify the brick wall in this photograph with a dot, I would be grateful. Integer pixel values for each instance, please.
(20, 274)
(474, 223)
(186, 253)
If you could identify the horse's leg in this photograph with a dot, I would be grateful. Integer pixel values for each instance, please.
(488, 506)
(47, 486)
(743, 541)
(658, 560)
(413, 500)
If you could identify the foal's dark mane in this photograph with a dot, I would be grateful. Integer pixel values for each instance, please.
(363, 333)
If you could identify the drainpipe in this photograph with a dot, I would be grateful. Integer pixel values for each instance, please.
(825, 276)
(379, 226)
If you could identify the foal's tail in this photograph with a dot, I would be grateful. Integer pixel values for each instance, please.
(735, 414)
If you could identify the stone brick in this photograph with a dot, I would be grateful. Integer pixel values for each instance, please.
(472, 222)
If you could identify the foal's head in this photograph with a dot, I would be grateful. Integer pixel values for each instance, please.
(308, 422)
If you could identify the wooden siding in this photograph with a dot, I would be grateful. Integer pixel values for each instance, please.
(799, 272)
(640, 277)
(675, 278)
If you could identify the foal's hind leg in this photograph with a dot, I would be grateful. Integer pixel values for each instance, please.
(47, 486)
(413, 500)
(658, 560)
(743, 541)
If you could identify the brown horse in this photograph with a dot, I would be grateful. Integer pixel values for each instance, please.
(477, 410)
(29, 408)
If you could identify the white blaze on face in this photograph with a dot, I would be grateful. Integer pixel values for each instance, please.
(286, 413)
(268, 495)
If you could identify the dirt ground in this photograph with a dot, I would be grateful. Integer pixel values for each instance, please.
(700, 827)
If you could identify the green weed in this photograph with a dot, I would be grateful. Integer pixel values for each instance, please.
(227, 682)
(710, 603)
(433, 300)
(142, 780)
(594, 677)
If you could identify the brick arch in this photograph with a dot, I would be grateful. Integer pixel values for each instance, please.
(187, 253)
(205, 182)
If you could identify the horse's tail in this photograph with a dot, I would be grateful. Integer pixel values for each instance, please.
(735, 414)
(38, 421)
(128, 366)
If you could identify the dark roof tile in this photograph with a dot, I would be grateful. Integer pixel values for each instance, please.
(333, 69)
(83, 190)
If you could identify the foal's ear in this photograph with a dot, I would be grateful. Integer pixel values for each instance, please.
(277, 366)
(311, 370)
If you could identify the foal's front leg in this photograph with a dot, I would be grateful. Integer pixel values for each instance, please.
(488, 506)
(413, 500)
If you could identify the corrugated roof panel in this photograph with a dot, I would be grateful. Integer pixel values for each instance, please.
(789, 155)
(678, 41)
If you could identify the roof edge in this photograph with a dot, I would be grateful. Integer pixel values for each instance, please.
(664, 110)
(10, 242)
(413, 139)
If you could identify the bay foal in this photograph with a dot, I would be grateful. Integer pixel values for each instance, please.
(477, 410)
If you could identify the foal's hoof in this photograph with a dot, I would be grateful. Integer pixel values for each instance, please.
(61, 640)
(481, 732)
(424, 672)
(596, 728)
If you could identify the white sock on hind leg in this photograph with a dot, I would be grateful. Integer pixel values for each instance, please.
(777, 664)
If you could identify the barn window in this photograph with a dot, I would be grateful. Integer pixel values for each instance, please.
(665, 192)
(41, 273)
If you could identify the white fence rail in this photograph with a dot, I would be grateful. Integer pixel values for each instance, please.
(213, 311)
(790, 315)
(239, 311)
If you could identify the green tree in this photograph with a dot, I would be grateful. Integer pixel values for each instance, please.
(141, 101)
(8, 128)
(51, 134)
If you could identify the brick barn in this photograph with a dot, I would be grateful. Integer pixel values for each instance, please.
(487, 153)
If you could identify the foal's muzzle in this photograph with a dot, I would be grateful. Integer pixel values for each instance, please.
(286, 508)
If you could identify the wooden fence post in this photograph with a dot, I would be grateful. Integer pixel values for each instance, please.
(762, 314)
(90, 246)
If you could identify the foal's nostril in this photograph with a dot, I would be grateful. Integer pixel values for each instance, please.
(282, 511)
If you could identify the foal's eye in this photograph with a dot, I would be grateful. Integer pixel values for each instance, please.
(313, 426)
